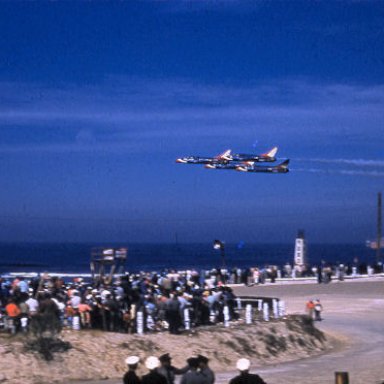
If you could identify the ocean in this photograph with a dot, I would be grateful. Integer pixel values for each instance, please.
(73, 258)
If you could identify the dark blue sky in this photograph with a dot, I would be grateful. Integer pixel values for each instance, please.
(98, 99)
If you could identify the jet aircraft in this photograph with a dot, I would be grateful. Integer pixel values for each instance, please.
(222, 166)
(265, 157)
(248, 167)
(240, 162)
(224, 157)
(280, 168)
(227, 156)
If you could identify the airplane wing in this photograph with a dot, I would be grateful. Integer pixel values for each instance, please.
(265, 157)
(281, 168)
(221, 166)
(221, 158)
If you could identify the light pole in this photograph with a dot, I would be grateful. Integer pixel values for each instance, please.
(219, 245)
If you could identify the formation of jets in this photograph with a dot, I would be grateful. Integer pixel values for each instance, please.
(240, 162)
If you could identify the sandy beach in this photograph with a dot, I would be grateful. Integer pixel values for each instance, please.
(352, 317)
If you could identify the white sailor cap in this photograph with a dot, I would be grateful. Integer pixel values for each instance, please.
(132, 360)
(152, 362)
(243, 364)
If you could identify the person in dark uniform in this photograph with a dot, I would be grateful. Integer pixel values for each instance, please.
(130, 376)
(172, 313)
(193, 376)
(168, 370)
(205, 370)
(245, 377)
(153, 377)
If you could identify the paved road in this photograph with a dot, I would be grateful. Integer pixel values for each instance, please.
(354, 310)
(362, 358)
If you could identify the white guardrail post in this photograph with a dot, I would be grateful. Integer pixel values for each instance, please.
(226, 316)
(140, 323)
(248, 314)
(265, 312)
(187, 322)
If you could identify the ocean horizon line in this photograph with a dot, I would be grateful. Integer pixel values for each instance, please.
(76, 257)
(117, 243)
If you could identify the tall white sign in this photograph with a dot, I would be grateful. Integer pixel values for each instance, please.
(299, 258)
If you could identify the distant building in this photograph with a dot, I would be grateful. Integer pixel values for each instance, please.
(300, 257)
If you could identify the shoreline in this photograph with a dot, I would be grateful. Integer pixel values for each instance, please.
(74, 258)
(281, 280)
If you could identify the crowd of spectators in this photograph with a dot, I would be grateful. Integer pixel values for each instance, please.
(159, 298)
(114, 305)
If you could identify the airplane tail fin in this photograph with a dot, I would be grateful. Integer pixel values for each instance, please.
(284, 164)
(225, 155)
(271, 153)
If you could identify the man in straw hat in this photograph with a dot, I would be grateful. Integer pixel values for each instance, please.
(153, 377)
(130, 376)
(245, 377)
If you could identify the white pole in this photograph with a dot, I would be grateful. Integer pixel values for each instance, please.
(76, 323)
(187, 322)
(140, 323)
(226, 316)
(265, 312)
(275, 309)
(24, 324)
(212, 316)
(248, 314)
(281, 308)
